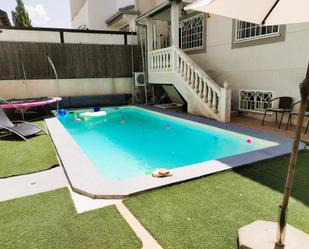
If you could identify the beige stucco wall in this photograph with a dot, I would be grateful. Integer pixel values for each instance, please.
(146, 5)
(75, 6)
(94, 13)
(81, 16)
(67, 87)
(278, 66)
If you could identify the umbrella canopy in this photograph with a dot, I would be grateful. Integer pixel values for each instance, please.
(266, 12)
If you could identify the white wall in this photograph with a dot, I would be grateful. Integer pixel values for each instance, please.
(81, 18)
(29, 36)
(279, 67)
(75, 6)
(69, 37)
(98, 11)
(67, 87)
(93, 38)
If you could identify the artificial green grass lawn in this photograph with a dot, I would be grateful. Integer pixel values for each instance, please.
(206, 213)
(49, 220)
(19, 157)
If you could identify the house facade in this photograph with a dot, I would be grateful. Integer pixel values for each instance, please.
(4, 19)
(216, 62)
(259, 63)
(118, 15)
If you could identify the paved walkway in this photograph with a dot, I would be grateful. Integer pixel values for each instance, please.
(20, 186)
(148, 241)
(271, 127)
(49, 180)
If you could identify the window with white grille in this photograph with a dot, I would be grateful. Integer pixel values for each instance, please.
(249, 31)
(254, 100)
(192, 33)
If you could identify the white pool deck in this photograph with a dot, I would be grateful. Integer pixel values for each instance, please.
(85, 179)
(26, 185)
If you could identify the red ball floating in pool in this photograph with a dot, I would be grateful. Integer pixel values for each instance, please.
(249, 141)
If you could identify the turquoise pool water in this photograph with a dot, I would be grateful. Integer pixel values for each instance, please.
(130, 142)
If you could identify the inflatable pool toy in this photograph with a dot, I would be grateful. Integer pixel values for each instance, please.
(96, 109)
(249, 141)
(62, 113)
(161, 173)
(94, 114)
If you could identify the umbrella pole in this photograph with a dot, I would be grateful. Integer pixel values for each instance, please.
(281, 229)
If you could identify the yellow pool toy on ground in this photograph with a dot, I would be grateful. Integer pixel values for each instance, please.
(161, 173)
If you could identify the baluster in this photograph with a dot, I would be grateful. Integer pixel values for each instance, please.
(168, 62)
(182, 67)
(157, 62)
(194, 85)
(215, 97)
(151, 63)
(197, 86)
(189, 74)
(206, 92)
(173, 60)
(162, 62)
(210, 95)
(201, 87)
(186, 70)
(178, 63)
(191, 81)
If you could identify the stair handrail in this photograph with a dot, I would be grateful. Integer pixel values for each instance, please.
(197, 68)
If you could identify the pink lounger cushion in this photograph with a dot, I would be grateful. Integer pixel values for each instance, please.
(32, 104)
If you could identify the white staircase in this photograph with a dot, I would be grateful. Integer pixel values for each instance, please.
(204, 97)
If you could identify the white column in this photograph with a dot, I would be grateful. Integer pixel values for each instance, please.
(175, 13)
(149, 24)
(225, 99)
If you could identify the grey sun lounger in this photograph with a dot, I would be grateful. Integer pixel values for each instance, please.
(21, 128)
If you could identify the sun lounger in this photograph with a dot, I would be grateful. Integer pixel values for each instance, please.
(21, 128)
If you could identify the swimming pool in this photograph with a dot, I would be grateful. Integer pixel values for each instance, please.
(130, 142)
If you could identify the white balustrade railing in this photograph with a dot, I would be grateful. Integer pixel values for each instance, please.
(161, 60)
(173, 59)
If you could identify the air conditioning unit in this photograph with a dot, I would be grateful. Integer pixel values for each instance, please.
(139, 79)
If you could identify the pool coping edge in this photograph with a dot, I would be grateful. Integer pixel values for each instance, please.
(85, 179)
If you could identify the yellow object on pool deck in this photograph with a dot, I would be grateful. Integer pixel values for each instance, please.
(161, 173)
(94, 114)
